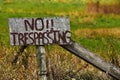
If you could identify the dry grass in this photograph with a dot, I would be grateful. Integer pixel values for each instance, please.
(97, 7)
(24, 70)
(102, 32)
(61, 65)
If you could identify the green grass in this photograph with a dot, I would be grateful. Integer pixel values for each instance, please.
(107, 21)
(100, 44)
(100, 21)
(52, 9)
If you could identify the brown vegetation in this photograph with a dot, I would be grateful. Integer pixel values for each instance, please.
(103, 8)
(98, 32)
(61, 65)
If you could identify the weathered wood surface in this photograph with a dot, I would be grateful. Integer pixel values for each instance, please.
(20, 51)
(93, 59)
(41, 61)
(39, 31)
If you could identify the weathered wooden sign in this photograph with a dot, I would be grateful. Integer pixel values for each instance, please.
(39, 31)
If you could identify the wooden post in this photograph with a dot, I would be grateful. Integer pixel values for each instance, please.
(41, 60)
(93, 59)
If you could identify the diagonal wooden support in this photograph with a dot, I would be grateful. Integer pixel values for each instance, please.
(93, 59)
(18, 54)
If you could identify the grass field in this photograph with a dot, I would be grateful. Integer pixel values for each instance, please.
(98, 32)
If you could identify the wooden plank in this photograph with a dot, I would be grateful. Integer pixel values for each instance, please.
(41, 60)
(93, 59)
(39, 31)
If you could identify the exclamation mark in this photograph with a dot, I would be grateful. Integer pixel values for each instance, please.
(52, 22)
(47, 23)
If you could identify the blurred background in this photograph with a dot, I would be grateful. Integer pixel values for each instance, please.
(95, 24)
